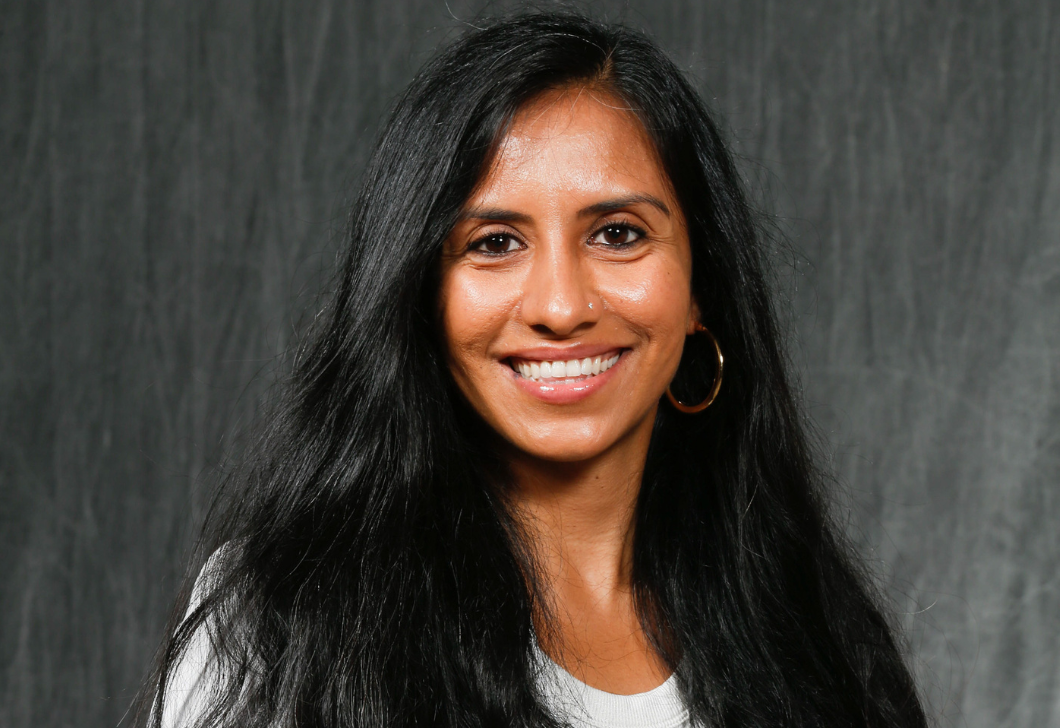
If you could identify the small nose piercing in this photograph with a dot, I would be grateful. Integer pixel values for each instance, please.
(590, 304)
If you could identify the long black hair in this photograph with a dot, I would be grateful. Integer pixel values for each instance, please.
(372, 575)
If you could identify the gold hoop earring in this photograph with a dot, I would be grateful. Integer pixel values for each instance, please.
(691, 409)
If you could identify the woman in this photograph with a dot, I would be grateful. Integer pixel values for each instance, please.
(482, 501)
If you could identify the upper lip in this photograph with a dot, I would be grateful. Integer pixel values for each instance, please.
(565, 353)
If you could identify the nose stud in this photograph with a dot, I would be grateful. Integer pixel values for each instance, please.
(590, 304)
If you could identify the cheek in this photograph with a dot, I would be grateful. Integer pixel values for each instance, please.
(655, 297)
(474, 310)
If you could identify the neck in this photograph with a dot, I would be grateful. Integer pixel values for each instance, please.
(578, 519)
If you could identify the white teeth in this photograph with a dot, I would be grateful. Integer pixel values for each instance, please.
(573, 369)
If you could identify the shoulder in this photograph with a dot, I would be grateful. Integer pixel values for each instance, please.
(209, 575)
(194, 678)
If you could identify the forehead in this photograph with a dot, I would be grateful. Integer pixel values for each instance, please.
(574, 139)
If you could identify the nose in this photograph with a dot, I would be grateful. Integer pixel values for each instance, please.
(559, 297)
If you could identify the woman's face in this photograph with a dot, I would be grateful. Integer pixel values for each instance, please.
(565, 293)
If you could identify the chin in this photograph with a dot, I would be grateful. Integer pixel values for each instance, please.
(562, 449)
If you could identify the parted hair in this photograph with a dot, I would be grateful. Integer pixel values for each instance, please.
(373, 574)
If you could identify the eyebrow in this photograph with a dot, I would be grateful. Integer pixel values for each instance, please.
(493, 214)
(619, 202)
(498, 214)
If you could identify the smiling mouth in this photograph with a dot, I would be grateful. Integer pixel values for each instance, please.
(563, 372)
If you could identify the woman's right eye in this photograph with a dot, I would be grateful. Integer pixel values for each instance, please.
(498, 244)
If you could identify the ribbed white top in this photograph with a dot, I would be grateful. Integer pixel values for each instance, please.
(570, 700)
(587, 707)
(195, 679)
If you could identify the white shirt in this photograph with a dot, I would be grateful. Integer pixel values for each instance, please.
(587, 707)
(194, 679)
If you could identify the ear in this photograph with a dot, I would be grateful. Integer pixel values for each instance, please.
(694, 319)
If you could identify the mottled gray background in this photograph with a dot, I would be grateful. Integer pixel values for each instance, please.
(173, 178)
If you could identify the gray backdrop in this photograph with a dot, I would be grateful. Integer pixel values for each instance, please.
(173, 180)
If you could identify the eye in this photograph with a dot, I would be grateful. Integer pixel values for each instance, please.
(617, 235)
(497, 244)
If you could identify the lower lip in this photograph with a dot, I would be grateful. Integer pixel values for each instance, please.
(559, 393)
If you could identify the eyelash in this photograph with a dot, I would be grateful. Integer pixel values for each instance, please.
(625, 226)
(639, 232)
(474, 244)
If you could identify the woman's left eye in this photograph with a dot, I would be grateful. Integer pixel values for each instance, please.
(617, 235)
